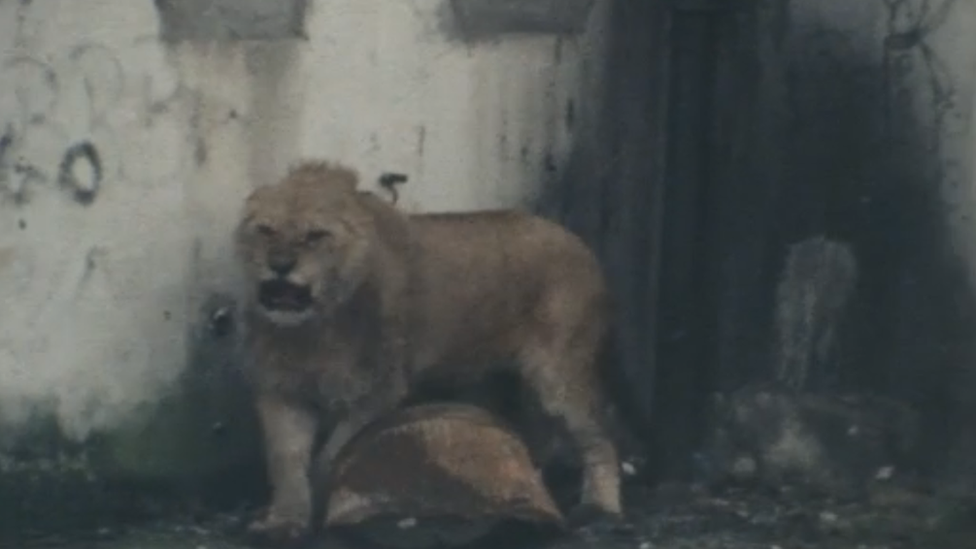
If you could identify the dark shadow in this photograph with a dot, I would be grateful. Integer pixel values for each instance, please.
(804, 133)
(860, 165)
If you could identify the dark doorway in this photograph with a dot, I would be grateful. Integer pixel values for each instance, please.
(747, 150)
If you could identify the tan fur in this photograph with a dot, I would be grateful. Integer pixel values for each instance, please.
(399, 300)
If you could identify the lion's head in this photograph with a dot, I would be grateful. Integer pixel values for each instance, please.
(304, 242)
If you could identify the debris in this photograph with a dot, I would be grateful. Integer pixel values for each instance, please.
(885, 473)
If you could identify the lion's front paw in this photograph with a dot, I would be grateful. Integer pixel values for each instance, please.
(593, 519)
(276, 531)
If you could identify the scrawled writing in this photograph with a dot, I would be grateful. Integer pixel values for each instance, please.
(62, 121)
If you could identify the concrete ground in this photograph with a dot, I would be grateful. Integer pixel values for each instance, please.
(669, 517)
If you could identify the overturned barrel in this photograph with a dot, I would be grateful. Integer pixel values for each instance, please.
(438, 475)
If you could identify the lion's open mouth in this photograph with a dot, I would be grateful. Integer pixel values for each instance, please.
(281, 295)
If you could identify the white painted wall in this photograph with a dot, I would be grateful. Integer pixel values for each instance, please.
(84, 291)
(96, 301)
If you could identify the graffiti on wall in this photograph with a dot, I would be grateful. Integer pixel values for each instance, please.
(61, 121)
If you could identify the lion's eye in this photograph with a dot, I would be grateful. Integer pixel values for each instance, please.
(315, 235)
(265, 230)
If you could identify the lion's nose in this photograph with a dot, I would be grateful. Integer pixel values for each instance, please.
(281, 264)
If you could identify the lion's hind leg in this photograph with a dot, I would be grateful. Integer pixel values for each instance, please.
(562, 373)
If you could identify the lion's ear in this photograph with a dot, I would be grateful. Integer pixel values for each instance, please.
(254, 197)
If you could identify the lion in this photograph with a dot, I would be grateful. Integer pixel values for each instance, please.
(353, 305)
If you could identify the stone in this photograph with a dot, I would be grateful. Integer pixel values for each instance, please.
(835, 443)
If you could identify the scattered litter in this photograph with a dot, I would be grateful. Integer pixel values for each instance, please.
(885, 473)
(828, 517)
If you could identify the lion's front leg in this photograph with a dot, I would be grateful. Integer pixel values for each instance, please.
(289, 434)
(387, 390)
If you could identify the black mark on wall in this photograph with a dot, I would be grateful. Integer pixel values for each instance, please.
(200, 152)
(84, 187)
(222, 322)
(6, 140)
(421, 140)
